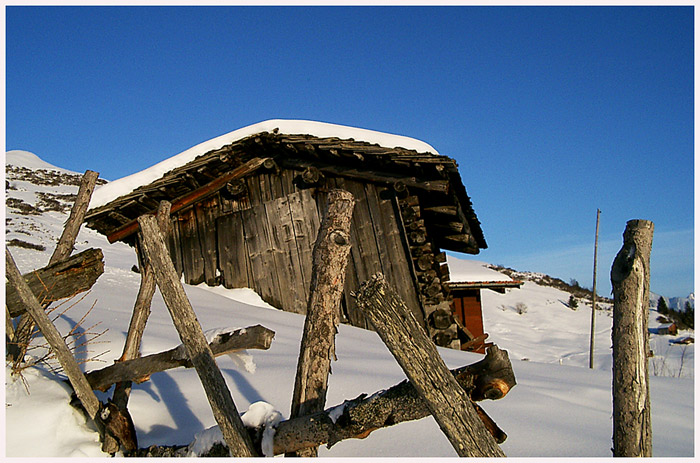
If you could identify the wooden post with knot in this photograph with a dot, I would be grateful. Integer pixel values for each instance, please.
(330, 259)
(630, 336)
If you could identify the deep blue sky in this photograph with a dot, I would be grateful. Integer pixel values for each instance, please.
(551, 112)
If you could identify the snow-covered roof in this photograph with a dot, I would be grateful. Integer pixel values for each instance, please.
(462, 270)
(122, 186)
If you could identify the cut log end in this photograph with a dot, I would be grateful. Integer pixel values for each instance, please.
(495, 389)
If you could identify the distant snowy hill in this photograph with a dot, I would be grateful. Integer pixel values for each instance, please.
(29, 160)
(559, 408)
(675, 303)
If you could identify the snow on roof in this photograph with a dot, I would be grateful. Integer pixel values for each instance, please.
(122, 186)
(462, 270)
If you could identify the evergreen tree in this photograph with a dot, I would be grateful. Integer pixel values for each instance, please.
(573, 303)
(662, 306)
(689, 315)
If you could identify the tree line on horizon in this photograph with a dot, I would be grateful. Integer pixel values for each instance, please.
(684, 319)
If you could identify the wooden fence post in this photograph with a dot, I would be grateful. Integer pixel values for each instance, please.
(142, 307)
(415, 352)
(140, 314)
(190, 331)
(63, 250)
(330, 259)
(631, 403)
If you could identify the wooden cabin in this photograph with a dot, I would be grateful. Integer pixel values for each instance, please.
(666, 328)
(246, 212)
(467, 309)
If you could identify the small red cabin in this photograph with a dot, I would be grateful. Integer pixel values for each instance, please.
(467, 310)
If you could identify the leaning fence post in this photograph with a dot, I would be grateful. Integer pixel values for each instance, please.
(330, 259)
(190, 331)
(63, 250)
(630, 337)
(410, 345)
(139, 316)
(53, 337)
(108, 423)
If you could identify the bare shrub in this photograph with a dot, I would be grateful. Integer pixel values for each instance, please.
(521, 308)
(37, 350)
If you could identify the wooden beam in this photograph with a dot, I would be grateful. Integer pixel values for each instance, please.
(194, 196)
(64, 279)
(452, 227)
(359, 417)
(415, 352)
(433, 185)
(442, 210)
(461, 243)
(139, 369)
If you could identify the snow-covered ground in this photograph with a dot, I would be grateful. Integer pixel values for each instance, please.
(559, 408)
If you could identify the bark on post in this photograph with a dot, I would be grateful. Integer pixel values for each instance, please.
(190, 332)
(631, 403)
(414, 351)
(330, 259)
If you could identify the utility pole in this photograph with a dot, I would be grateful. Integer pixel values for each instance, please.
(595, 272)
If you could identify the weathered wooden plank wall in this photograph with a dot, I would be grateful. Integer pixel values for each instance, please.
(268, 248)
(192, 256)
(233, 259)
(263, 237)
(377, 246)
(206, 212)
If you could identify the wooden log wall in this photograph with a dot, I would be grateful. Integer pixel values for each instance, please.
(431, 272)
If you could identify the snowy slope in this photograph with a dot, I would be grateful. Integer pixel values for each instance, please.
(559, 408)
(29, 160)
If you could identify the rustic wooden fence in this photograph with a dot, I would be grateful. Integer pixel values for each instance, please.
(431, 388)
